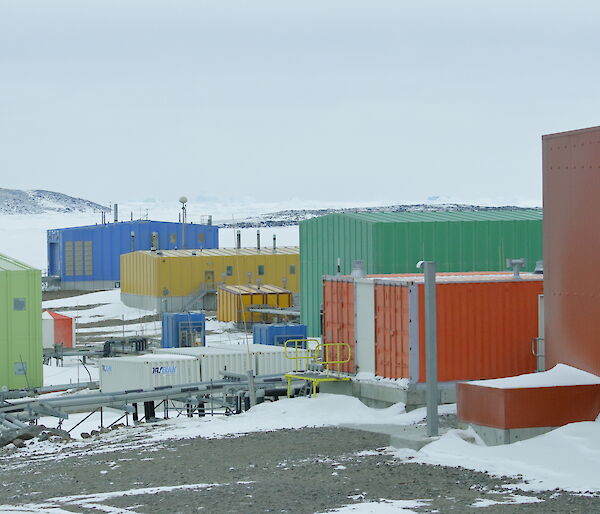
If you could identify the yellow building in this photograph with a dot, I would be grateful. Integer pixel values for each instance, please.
(233, 302)
(179, 280)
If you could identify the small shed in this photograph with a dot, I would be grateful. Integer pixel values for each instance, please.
(57, 329)
(233, 302)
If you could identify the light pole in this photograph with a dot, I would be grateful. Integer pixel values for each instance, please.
(428, 268)
(183, 200)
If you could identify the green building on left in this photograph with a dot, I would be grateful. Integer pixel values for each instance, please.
(20, 325)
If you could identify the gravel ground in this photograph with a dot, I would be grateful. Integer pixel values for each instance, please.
(292, 471)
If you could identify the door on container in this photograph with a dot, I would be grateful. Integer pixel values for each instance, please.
(364, 327)
(209, 279)
(53, 259)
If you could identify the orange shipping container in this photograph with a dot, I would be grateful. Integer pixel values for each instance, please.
(486, 324)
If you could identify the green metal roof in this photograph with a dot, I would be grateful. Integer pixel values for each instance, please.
(443, 216)
(9, 264)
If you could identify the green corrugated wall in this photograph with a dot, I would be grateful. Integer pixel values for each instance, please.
(395, 242)
(20, 330)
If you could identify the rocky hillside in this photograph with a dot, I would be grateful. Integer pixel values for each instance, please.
(293, 217)
(14, 201)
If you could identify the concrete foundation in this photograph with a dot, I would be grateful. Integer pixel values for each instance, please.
(88, 285)
(170, 303)
(496, 436)
(377, 395)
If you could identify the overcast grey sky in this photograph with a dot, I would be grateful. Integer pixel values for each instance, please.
(382, 101)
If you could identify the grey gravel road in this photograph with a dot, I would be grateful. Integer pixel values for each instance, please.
(292, 471)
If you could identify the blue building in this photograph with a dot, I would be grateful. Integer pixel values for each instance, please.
(88, 257)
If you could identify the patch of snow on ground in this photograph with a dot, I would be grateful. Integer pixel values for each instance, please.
(293, 413)
(73, 371)
(382, 507)
(513, 500)
(567, 458)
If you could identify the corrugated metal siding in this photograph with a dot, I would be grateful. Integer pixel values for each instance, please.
(233, 302)
(485, 330)
(147, 372)
(91, 253)
(338, 317)
(322, 241)
(395, 242)
(182, 274)
(391, 331)
(20, 330)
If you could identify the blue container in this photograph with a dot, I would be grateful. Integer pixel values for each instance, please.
(277, 335)
(181, 329)
(92, 253)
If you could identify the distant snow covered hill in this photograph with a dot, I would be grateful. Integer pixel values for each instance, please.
(14, 201)
(295, 216)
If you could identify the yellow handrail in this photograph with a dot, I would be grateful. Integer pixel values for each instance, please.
(323, 350)
(295, 345)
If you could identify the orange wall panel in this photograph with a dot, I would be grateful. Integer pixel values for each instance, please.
(571, 173)
(391, 331)
(484, 330)
(338, 317)
(527, 407)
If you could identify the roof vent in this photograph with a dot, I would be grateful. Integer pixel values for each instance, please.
(516, 265)
(539, 267)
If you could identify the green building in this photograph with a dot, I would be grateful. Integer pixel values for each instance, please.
(20, 325)
(395, 242)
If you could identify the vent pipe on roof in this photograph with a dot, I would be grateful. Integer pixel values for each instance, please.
(516, 265)
(116, 207)
(238, 239)
(258, 240)
(358, 269)
(338, 266)
(274, 243)
(539, 267)
(209, 222)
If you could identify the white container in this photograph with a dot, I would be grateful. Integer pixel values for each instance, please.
(212, 360)
(47, 330)
(147, 372)
(272, 360)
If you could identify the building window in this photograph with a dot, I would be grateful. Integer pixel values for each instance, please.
(19, 304)
(201, 237)
(229, 271)
(88, 262)
(78, 258)
(292, 269)
(173, 238)
(69, 268)
(261, 269)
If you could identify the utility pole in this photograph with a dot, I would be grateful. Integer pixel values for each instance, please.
(428, 268)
